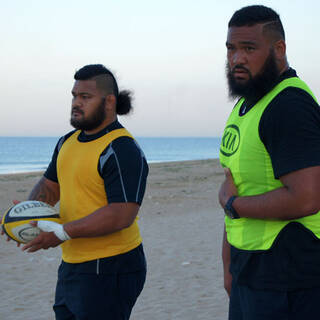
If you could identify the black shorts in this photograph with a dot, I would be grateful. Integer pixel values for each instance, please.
(252, 304)
(90, 291)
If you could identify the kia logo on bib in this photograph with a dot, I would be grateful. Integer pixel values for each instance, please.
(230, 140)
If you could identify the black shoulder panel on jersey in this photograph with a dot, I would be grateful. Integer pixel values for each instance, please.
(124, 169)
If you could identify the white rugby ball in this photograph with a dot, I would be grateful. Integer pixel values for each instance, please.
(15, 221)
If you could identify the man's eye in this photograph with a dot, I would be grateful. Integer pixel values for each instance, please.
(250, 49)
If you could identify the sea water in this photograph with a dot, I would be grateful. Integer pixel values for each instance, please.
(26, 154)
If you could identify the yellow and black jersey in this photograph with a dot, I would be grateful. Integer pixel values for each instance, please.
(92, 172)
(122, 166)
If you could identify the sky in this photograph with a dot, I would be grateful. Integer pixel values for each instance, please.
(170, 53)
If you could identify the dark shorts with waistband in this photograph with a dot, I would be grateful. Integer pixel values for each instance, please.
(100, 289)
(251, 304)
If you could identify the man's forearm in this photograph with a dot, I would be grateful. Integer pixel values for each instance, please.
(45, 191)
(276, 204)
(105, 220)
(299, 197)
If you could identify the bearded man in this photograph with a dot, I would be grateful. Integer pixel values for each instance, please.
(98, 172)
(271, 154)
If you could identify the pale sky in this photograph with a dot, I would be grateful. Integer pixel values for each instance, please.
(171, 53)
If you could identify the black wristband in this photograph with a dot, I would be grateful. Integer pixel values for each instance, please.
(230, 210)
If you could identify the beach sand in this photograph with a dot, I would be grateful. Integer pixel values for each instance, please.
(181, 223)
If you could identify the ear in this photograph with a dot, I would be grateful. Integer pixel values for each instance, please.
(110, 102)
(280, 49)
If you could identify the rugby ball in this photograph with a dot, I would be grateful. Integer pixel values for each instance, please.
(15, 221)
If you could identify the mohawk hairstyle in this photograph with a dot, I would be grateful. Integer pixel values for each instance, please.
(94, 70)
(106, 82)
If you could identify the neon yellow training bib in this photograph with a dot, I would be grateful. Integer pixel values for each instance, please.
(245, 154)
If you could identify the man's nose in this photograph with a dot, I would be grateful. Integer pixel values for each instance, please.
(75, 102)
(239, 57)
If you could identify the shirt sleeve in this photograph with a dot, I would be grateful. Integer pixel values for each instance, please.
(290, 131)
(124, 170)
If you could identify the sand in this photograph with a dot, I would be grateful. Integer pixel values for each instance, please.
(181, 224)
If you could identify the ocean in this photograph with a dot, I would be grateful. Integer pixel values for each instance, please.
(26, 154)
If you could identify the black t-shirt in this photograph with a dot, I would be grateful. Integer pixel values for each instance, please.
(124, 170)
(290, 131)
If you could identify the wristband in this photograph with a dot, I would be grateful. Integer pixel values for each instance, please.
(229, 210)
(56, 228)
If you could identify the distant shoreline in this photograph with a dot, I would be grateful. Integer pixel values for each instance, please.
(24, 155)
(38, 172)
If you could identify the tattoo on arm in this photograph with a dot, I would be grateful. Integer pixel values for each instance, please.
(43, 191)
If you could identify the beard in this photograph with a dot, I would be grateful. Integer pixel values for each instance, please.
(93, 121)
(257, 86)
